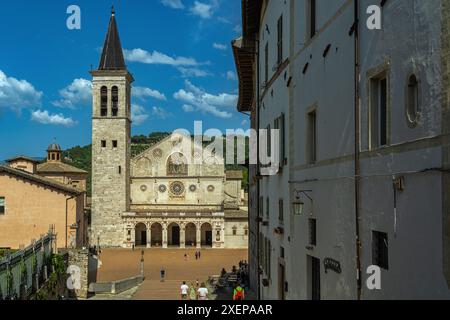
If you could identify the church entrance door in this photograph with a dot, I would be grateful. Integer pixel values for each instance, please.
(174, 235)
(208, 238)
(141, 235)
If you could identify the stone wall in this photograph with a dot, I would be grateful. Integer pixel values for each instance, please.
(79, 259)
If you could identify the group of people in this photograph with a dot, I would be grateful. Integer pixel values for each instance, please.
(198, 255)
(194, 292)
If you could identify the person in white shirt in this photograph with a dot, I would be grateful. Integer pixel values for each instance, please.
(202, 292)
(184, 291)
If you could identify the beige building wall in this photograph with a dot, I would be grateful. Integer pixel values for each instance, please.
(236, 234)
(23, 164)
(77, 181)
(30, 209)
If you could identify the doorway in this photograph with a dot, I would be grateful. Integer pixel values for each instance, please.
(314, 278)
(140, 235)
(208, 235)
(281, 282)
(174, 235)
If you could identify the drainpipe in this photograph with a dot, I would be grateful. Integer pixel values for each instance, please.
(67, 218)
(357, 152)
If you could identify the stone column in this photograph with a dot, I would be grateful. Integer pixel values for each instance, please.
(182, 236)
(165, 237)
(199, 236)
(133, 236)
(149, 236)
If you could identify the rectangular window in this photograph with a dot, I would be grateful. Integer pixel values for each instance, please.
(234, 231)
(269, 142)
(380, 250)
(261, 250)
(2, 205)
(261, 207)
(103, 143)
(266, 64)
(312, 137)
(267, 209)
(281, 210)
(120, 169)
(379, 112)
(280, 40)
(312, 15)
(114, 144)
(312, 232)
(269, 258)
(281, 125)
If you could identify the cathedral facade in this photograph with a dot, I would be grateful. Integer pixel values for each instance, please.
(164, 197)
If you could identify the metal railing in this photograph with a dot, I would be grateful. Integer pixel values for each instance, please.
(23, 271)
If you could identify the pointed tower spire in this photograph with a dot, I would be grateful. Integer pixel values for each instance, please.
(112, 56)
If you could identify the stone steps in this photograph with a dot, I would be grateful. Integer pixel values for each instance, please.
(157, 290)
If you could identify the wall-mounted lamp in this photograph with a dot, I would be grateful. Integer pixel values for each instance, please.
(298, 204)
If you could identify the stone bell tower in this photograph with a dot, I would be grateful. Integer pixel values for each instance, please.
(111, 122)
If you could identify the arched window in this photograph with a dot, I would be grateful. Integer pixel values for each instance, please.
(115, 101)
(412, 99)
(177, 165)
(104, 101)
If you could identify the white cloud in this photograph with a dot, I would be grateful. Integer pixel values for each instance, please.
(142, 93)
(138, 114)
(197, 99)
(244, 123)
(174, 4)
(220, 46)
(203, 10)
(79, 92)
(194, 72)
(238, 29)
(17, 94)
(231, 75)
(44, 117)
(160, 113)
(188, 108)
(189, 67)
(155, 57)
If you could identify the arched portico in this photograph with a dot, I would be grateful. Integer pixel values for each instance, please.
(206, 235)
(191, 235)
(140, 235)
(173, 235)
(157, 235)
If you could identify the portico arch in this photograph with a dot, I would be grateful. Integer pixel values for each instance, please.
(173, 234)
(206, 235)
(140, 234)
(157, 237)
(191, 235)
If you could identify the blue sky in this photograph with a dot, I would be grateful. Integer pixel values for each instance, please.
(178, 51)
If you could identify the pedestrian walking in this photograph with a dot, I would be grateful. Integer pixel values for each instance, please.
(196, 255)
(184, 291)
(199, 254)
(163, 274)
(202, 292)
(238, 293)
(192, 292)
